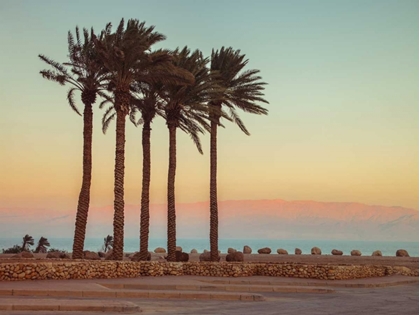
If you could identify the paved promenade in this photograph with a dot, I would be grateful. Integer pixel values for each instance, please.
(210, 295)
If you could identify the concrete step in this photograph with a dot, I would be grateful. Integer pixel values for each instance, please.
(363, 283)
(149, 294)
(11, 304)
(220, 288)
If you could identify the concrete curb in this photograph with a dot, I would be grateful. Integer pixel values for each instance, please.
(150, 294)
(67, 305)
(232, 288)
(313, 284)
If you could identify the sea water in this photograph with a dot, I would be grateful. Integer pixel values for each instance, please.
(132, 245)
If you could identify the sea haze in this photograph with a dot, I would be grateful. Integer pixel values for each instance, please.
(239, 219)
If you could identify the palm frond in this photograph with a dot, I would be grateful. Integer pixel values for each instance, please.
(107, 99)
(70, 99)
(132, 115)
(53, 76)
(107, 118)
(54, 64)
(237, 120)
(195, 138)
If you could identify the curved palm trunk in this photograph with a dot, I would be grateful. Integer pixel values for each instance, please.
(171, 194)
(118, 248)
(84, 196)
(144, 212)
(214, 221)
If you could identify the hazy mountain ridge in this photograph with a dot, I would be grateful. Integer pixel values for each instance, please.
(238, 219)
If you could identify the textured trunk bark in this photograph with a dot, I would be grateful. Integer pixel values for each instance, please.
(84, 196)
(171, 194)
(144, 212)
(118, 249)
(214, 221)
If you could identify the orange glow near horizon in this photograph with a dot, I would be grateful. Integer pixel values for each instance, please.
(343, 121)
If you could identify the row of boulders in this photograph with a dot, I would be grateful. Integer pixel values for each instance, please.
(316, 251)
(233, 254)
(266, 250)
(355, 252)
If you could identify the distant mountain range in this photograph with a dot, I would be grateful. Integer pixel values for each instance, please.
(241, 219)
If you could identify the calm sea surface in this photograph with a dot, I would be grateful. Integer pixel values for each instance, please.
(132, 245)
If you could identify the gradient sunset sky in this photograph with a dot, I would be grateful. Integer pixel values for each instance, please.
(342, 85)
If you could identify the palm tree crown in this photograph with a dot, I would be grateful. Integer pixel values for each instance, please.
(237, 89)
(86, 73)
(42, 245)
(27, 241)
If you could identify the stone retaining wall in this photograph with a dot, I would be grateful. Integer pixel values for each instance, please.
(83, 269)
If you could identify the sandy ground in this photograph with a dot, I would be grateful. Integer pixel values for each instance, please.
(412, 262)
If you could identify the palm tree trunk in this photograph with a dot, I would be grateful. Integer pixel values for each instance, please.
(214, 221)
(144, 212)
(84, 196)
(171, 194)
(118, 249)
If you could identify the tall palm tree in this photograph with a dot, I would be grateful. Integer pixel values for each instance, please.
(84, 74)
(185, 109)
(42, 245)
(123, 54)
(27, 240)
(238, 89)
(148, 107)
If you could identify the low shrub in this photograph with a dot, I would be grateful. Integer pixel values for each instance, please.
(51, 250)
(16, 249)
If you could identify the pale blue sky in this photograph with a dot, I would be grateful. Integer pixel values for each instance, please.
(342, 85)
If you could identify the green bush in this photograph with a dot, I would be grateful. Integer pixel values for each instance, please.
(51, 250)
(16, 249)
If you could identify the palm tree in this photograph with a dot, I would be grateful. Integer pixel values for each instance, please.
(87, 77)
(123, 54)
(27, 241)
(185, 109)
(238, 89)
(42, 245)
(108, 243)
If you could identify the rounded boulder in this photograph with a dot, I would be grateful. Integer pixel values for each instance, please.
(402, 253)
(231, 250)
(282, 251)
(316, 251)
(265, 250)
(247, 249)
(160, 250)
(236, 256)
(206, 256)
